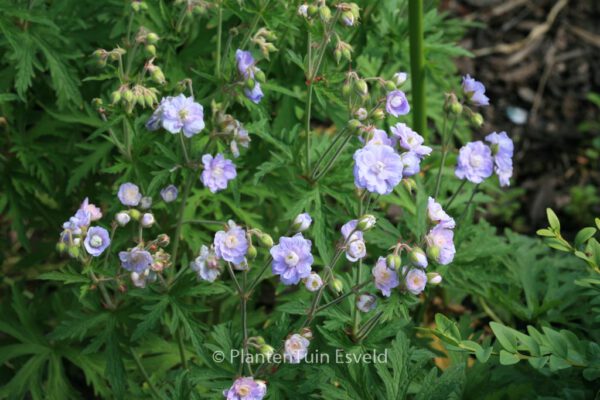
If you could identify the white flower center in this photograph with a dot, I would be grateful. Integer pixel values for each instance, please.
(183, 113)
(476, 161)
(217, 171)
(396, 101)
(96, 241)
(231, 241)
(378, 167)
(292, 259)
(131, 194)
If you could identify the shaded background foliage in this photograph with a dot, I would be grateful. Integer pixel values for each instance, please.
(56, 151)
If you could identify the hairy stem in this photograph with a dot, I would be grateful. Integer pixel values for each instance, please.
(446, 137)
(142, 370)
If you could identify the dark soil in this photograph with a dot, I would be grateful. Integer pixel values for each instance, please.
(541, 58)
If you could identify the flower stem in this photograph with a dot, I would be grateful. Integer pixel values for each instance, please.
(307, 115)
(333, 159)
(140, 366)
(417, 65)
(455, 195)
(186, 157)
(176, 241)
(219, 36)
(259, 276)
(446, 137)
(466, 211)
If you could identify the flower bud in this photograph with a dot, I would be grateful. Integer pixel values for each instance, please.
(393, 261)
(433, 252)
(348, 18)
(147, 220)
(259, 75)
(115, 97)
(152, 38)
(252, 252)
(302, 222)
(325, 13)
(409, 184)
(389, 86)
(61, 247)
(303, 10)
(122, 218)
(417, 257)
(266, 240)
(354, 124)
(306, 333)
(347, 53)
(128, 96)
(477, 119)
(379, 114)
(135, 214)
(361, 87)
(250, 83)
(366, 222)
(456, 108)
(337, 285)
(346, 89)
(337, 54)
(399, 78)
(158, 76)
(150, 49)
(267, 350)
(73, 251)
(433, 278)
(312, 10)
(361, 114)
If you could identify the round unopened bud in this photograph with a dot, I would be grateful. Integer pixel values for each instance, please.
(337, 285)
(393, 261)
(361, 114)
(312, 10)
(122, 218)
(252, 252)
(259, 75)
(152, 38)
(306, 333)
(417, 257)
(128, 96)
(115, 97)
(158, 76)
(346, 89)
(477, 119)
(399, 78)
(302, 222)
(337, 54)
(325, 13)
(433, 252)
(354, 124)
(250, 83)
(366, 222)
(378, 114)
(266, 240)
(348, 18)
(347, 53)
(433, 278)
(303, 10)
(410, 184)
(74, 251)
(150, 49)
(147, 220)
(389, 86)
(456, 108)
(267, 350)
(135, 214)
(361, 87)
(61, 247)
